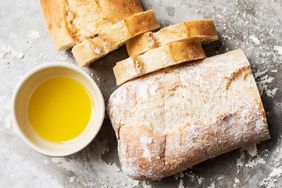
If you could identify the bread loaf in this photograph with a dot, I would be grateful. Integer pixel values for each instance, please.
(71, 21)
(178, 117)
(158, 58)
(201, 30)
(116, 35)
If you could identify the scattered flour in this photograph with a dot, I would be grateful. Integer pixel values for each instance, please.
(270, 181)
(236, 182)
(271, 93)
(278, 49)
(33, 35)
(72, 178)
(212, 185)
(254, 40)
(9, 52)
(89, 170)
(181, 183)
(220, 177)
(146, 184)
(200, 180)
(263, 83)
(255, 162)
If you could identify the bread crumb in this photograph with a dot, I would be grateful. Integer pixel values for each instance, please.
(251, 150)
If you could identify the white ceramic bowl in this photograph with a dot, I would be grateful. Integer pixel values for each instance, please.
(23, 92)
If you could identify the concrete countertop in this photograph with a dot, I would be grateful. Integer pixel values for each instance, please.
(252, 25)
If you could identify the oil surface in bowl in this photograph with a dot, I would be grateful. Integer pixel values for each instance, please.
(59, 109)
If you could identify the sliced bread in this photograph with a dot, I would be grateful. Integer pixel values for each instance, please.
(156, 59)
(115, 36)
(202, 30)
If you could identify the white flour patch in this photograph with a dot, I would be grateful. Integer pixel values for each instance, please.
(153, 90)
(72, 179)
(33, 35)
(263, 84)
(271, 93)
(278, 49)
(236, 182)
(255, 162)
(181, 183)
(212, 185)
(9, 52)
(143, 91)
(254, 40)
(145, 140)
(200, 180)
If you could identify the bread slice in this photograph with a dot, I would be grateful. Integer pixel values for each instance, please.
(158, 58)
(202, 30)
(71, 21)
(176, 118)
(116, 35)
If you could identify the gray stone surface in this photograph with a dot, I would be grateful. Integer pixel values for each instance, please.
(254, 26)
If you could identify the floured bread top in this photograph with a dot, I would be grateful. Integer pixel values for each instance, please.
(178, 117)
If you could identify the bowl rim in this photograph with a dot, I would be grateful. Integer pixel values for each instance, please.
(93, 84)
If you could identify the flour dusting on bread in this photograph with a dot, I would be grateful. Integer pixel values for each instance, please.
(192, 113)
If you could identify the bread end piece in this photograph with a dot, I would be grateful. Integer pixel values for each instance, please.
(55, 17)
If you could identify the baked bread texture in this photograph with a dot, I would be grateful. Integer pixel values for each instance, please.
(178, 117)
(115, 36)
(201, 30)
(158, 58)
(71, 21)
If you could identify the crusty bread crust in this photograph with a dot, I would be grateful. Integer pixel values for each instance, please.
(55, 17)
(116, 35)
(178, 117)
(158, 58)
(202, 30)
(71, 21)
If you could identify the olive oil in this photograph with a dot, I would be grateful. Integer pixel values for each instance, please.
(59, 109)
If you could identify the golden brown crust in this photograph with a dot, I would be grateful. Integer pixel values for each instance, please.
(156, 59)
(71, 21)
(55, 17)
(202, 30)
(115, 36)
